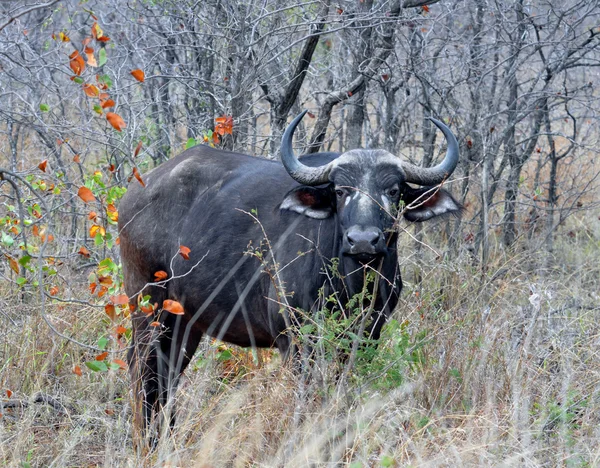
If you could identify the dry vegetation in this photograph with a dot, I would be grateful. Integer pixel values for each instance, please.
(491, 357)
(508, 375)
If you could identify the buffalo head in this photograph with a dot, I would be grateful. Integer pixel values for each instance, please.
(364, 188)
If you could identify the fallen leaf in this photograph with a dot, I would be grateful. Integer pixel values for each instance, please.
(76, 159)
(86, 194)
(53, 290)
(173, 306)
(107, 103)
(14, 265)
(120, 330)
(155, 324)
(77, 371)
(9, 393)
(42, 165)
(102, 357)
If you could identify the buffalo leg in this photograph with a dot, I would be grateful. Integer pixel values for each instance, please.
(156, 361)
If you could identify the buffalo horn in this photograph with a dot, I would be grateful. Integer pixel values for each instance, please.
(300, 172)
(435, 175)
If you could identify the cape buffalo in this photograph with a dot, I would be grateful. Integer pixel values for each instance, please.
(237, 212)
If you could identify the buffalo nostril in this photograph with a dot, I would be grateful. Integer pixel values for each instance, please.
(363, 237)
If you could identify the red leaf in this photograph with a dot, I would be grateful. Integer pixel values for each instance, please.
(173, 306)
(155, 324)
(160, 275)
(137, 149)
(8, 393)
(110, 311)
(86, 194)
(102, 357)
(116, 121)
(54, 290)
(138, 75)
(42, 165)
(121, 299)
(90, 90)
(224, 125)
(137, 175)
(184, 252)
(107, 103)
(77, 371)
(121, 363)
(77, 63)
(120, 330)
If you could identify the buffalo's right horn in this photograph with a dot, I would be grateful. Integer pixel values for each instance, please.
(300, 172)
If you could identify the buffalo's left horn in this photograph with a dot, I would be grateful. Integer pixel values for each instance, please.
(435, 175)
(300, 172)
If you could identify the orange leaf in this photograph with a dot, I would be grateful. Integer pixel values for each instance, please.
(95, 229)
(160, 275)
(93, 287)
(92, 215)
(121, 363)
(173, 306)
(137, 175)
(14, 265)
(105, 280)
(215, 137)
(121, 299)
(116, 121)
(137, 149)
(91, 60)
(54, 290)
(8, 393)
(110, 311)
(76, 159)
(42, 165)
(86, 194)
(77, 64)
(184, 252)
(97, 33)
(107, 103)
(90, 90)
(77, 371)
(102, 357)
(155, 324)
(120, 330)
(138, 75)
(224, 125)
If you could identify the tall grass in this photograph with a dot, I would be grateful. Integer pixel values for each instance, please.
(498, 368)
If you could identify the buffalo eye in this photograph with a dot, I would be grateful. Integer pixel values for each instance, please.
(339, 192)
(393, 192)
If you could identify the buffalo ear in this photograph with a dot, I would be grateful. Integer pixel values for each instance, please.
(430, 204)
(312, 202)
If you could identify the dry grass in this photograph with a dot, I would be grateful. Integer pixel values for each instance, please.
(509, 376)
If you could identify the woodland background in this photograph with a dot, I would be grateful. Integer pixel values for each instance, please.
(492, 356)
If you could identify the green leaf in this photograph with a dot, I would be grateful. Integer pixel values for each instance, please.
(105, 79)
(190, 143)
(97, 109)
(21, 281)
(102, 342)
(7, 240)
(24, 260)
(113, 366)
(387, 461)
(78, 79)
(44, 107)
(101, 57)
(225, 355)
(97, 366)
